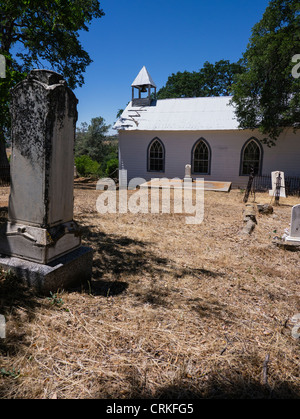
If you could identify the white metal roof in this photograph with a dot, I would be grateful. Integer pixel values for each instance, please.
(192, 114)
(143, 78)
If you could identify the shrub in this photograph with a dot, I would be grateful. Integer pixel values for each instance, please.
(87, 167)
(111, 167)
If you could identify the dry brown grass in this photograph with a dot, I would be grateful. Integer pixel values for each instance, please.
(172, 311)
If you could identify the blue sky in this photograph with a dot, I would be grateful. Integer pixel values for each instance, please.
(166, 36)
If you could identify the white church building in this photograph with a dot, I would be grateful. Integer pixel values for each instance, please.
(158, 138)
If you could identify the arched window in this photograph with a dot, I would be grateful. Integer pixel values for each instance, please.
(251, 157)
(156, 156)
(201, 156)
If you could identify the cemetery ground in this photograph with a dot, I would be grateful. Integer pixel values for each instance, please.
(172, 310)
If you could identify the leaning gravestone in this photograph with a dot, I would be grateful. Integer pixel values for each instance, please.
(41, 242)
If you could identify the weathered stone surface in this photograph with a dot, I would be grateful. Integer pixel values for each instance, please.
(249, 219)
(39, 244)
(71, 269)
(40, 214)
(265, 209)
(41, 241)
(44, 116)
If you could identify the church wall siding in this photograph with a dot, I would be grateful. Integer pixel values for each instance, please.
(225, 147)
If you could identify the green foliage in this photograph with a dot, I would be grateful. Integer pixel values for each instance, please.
(12, 78)
(48, 32)
(180, 85)
(11, 374)
(90, 139)
(87, 167)
(211, 80)
(37, 34)
(119, 113)
(55, 300)
(96, 154)
(266, 95)
(112, 166)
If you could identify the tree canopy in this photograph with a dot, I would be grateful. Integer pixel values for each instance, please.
(90, 139)
(211, 80)
(41, 34)
(96, 152)
(47, 31)
(267, 94)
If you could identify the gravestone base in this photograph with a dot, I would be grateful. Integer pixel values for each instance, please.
(37, 244)
(283, 243)
(68, 270)
(292, 241)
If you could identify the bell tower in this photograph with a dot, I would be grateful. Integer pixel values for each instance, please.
(144, 84)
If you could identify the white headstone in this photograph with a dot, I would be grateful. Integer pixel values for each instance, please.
(295, 221)
(188, 170)
(276, 177)
(294, 236)
(188, 173)
(2, 327)
(123, 182)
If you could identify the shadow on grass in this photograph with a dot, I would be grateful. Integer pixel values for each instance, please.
(227, 385)
(3, 214)
(118, 257)
(239, 388)
(18, 303)
(13, 293)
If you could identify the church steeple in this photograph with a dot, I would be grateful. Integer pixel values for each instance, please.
(143, 83)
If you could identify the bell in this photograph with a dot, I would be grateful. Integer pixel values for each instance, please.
(144, 89)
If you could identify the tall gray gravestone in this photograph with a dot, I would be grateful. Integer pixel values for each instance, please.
(41, 241)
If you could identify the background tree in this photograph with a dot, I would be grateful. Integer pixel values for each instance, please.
(90, 139)
(211, 80)
(37, 34)
(266, 95)
(95, 151)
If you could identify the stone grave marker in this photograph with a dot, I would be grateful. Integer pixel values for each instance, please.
(41, 242)
(278, 185)
(188, 173)
(123, 179)
(294, 237)
(2, 327)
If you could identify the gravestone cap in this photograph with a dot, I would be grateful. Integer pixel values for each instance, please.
(47, 77)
